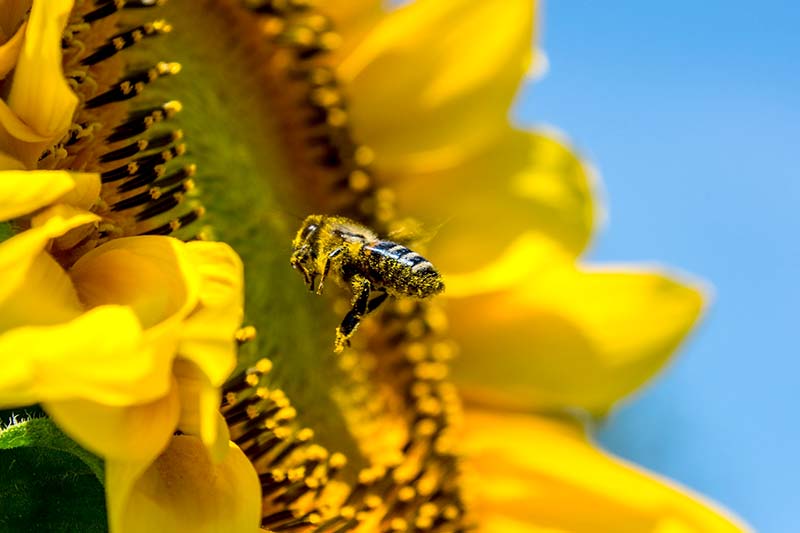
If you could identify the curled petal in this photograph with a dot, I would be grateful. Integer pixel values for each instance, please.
(23, 191)
(12, 15)
(18, 253)
(40, 97)
(86, 190)
(461, 63)
(135, 433)
(534, 474)
(18, 138)
(184, 491)
(98, 356)
(9, 51)
(151, 274)
(43, 297)
(567, 336)
(200, 401)
(207, 334)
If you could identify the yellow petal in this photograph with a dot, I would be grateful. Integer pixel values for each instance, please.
(86, 191)
(151, 274)
(570, 337)
(14, 134)
(10, 163)
(40, 95)
(352, 19)
(9, 51)
(134, 433)
(460, 63)
(121, 478)
(24, 191)
(18, 253)
(527, 181)
(183, 491)
(43, 297)
(12, 14)
(98, 356)
(538, 475)
(528, 257)
(200, 401)
(207, 335)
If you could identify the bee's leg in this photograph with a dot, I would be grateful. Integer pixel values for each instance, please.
(327, 268)
(377, 301)
(361, 288)
(303, 271)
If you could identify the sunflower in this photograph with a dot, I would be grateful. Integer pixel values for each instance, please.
(136, 132)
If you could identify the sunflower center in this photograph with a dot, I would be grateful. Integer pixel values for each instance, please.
(263, 130)
(245, 181)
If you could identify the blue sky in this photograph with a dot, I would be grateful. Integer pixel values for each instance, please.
(691, 111)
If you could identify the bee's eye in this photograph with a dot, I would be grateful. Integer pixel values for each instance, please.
(308, 230)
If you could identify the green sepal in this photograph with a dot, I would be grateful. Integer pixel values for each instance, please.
(48, 482)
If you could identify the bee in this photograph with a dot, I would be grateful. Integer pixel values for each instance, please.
(357, 259)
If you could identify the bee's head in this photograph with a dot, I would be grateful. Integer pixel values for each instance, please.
(301, 260)
(303, 253)
(307, 232)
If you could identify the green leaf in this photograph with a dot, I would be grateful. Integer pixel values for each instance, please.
(48, 482)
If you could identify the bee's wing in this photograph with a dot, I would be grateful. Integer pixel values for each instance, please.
(410, 232)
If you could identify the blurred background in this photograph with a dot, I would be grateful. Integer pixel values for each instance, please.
(691, 112)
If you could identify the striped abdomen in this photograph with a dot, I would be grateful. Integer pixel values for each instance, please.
(400, 270)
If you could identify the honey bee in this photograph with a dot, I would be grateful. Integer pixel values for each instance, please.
(356, 258)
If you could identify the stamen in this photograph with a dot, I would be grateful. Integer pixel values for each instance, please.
(133, 85)
(126, 39)
(140, 121)
(143, 165)
(141, 145)
(247, 334)
(107, 7)
(177, 223)
(143, 179)
(162, 205)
